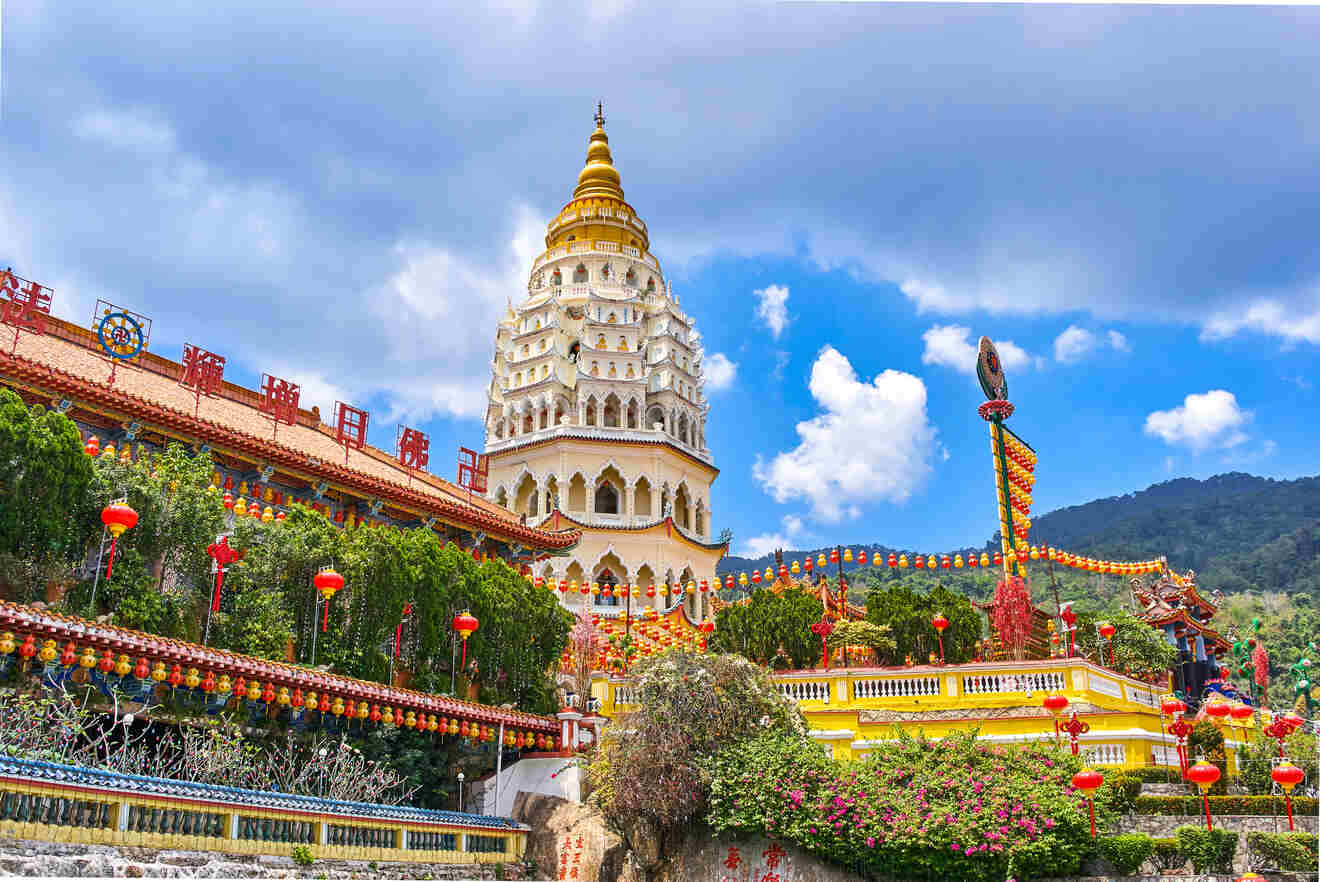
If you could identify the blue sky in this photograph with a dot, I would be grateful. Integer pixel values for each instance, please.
(845, 197)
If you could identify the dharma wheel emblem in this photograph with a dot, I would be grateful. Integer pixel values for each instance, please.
(990, 371)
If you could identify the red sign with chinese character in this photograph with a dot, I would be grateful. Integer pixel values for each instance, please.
(472, 470)
(413, 448)
(279, 400)
(203, 372)
(350, 426)
(26, 305)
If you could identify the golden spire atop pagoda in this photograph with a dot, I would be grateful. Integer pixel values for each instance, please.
(599, 177)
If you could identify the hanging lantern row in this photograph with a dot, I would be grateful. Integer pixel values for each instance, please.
(142, 674)
(934, 562)
(572, 586)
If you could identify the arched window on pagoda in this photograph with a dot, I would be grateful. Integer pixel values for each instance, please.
(607, 499)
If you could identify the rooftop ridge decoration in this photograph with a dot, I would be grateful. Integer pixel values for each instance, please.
(119, 782)
(206, 665)
(48, 377)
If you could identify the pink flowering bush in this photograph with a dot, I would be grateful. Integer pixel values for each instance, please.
(955, 809)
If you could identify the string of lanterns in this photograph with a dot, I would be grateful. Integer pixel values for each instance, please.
(893, 560)
(136, 676)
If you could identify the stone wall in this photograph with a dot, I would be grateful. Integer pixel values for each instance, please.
(25, 857)
(1162, 827)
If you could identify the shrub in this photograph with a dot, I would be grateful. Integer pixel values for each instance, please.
(1167, 856)
(690, 705)
(953, 809)
(302, 856)
(1282, 851)
(1221, 805)
(1120, 791)
(1210, 851)
(1208, 741)
(1127, 852)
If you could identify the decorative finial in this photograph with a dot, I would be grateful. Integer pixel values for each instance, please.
(600, 114)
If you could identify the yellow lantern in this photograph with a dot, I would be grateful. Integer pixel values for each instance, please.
(902, 561)
(192, 681)
(338, 707)
(957, 562)
(431, 723)
(222, 685)
(411, 720)
(742, 579)
(268, 515)
(282, 697)
(932, 563)
(796, 568)
(847, 555)
(388, 717)
(157, 671)
(877, 559)
(253, 690)
(820, 561)
(692, 586)
(240, 506)
(309, 700)
(122, 667)
(595, 589)
(1035, 553)
(985, 559)
(363, 710)
(769, 576)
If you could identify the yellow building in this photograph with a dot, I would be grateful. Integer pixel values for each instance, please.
(596, 418)
(855, 710)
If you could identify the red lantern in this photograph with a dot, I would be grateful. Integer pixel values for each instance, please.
(327, 581)
(176, 676)
(142, 671)
(756, 576)
(1204, 775)
(834, 556)
(919, 562)
(706, 626)
(464, 624)
(1088, 781)
(1287, 776)
(1172, 707)
(704, 587)
(92, 447)
(945, 563)
(117, 517)
(1217, 709)
(892, 560)
(208, 683)
(1107, 630)
(971, 560)
(999, 558)
(861, 556)
(807, 564)
(728, 582)
(1055, 704)
(1241, 712)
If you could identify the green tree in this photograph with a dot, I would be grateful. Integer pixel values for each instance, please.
(45, 520)
(161, 579)
(771, 628)
(861, 633)
(908, 615)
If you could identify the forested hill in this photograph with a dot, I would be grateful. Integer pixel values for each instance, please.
(1238, 531)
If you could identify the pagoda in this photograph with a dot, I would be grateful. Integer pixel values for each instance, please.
(597, 419)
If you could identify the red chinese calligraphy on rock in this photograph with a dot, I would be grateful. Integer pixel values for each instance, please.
(413, 448)
(773, 855)
(734, 859)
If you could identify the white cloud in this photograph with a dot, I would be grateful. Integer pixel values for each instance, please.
(766, 543)
(1295, 322)
(872, 441)
(126, 129)
(951, 346)
(1119, 342)
(772, 308)
(720, 371)
(1213, 419)
(781, 361)
(1073, 345)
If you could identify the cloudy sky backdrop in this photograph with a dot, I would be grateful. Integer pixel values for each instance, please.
(845, 197)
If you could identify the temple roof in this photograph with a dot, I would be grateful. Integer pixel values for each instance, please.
(67, 362)
(45, 625)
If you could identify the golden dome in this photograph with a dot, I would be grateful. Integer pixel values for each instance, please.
(599, 177)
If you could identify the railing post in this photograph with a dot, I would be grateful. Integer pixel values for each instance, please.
(322, 833)
(232, 825)
(121, 816)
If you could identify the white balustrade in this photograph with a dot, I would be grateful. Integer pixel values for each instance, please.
(1104, 754)
(612, 247)
(1165, 755)
(1106, 686)
(624, 695)
(579, 247)
(1140, 696)
(895, 687)
(631, 251)
(995, 684)
(805, 690)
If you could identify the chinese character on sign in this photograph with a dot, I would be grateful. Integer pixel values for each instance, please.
(26, 307)
(414, 448)
(350, 427)
(773, 855)
(733, 860)
(203, 372)
(279, 400)
(472, 471)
